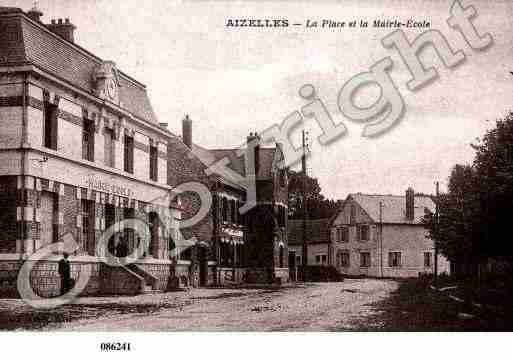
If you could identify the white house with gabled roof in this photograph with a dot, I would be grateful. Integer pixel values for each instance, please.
(383, 236)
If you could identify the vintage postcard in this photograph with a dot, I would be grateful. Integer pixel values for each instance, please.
(263, 166)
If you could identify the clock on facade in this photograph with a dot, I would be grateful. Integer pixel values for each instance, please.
(111, 89)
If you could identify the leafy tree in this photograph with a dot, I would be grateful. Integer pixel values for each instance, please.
(475, 213)
(458, 218)
(317, 205)
(494, 168)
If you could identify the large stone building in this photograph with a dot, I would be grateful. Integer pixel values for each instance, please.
(383, 236)
(80, 150)
(233, 247)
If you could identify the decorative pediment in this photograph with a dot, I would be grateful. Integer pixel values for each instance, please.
(106, 81)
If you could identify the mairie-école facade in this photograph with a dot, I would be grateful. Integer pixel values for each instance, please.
(81, 150)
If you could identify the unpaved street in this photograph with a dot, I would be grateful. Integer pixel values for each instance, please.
(319, 306)
(306, 307)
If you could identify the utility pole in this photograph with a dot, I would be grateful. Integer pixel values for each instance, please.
(437, 232)
(303, 200)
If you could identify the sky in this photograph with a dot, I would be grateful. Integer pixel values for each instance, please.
(232, 81)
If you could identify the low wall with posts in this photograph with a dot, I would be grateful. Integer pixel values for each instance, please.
(228, 276)
(104, 279)
(45, 279)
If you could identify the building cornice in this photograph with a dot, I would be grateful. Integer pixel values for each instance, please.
(92, 165)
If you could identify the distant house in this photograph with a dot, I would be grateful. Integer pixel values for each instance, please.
(382, 236)
(317, 238)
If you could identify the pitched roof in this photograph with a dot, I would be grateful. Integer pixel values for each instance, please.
(200, 158)
(23, 41)
(317, 231)
(394, 207)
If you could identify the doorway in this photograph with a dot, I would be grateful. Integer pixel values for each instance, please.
(203, 266)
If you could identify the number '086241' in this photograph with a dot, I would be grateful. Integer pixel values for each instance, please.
(115, 347)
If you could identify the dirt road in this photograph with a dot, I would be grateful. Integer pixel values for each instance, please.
(308, 307)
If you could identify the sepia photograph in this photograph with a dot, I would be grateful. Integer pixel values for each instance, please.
(239, 166)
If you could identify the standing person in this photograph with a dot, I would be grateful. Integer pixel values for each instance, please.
(65, 273)
(122, 247)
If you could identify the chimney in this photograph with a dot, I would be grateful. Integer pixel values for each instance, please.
(35, 14)
(163, 125)
(410, 204)
(253, 140)
(64, 29)
(187, 131)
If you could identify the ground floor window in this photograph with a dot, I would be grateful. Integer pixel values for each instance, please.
(48, 216)
(365, 259)
(128, 231)
(427, 259)
(88, 219)
(394, 259)
(110, 220)
(320, 259)
(154, 233)
(343, 258)
(281, 257)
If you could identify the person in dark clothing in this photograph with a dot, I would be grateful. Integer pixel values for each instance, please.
(65, 273)
(122, 248)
